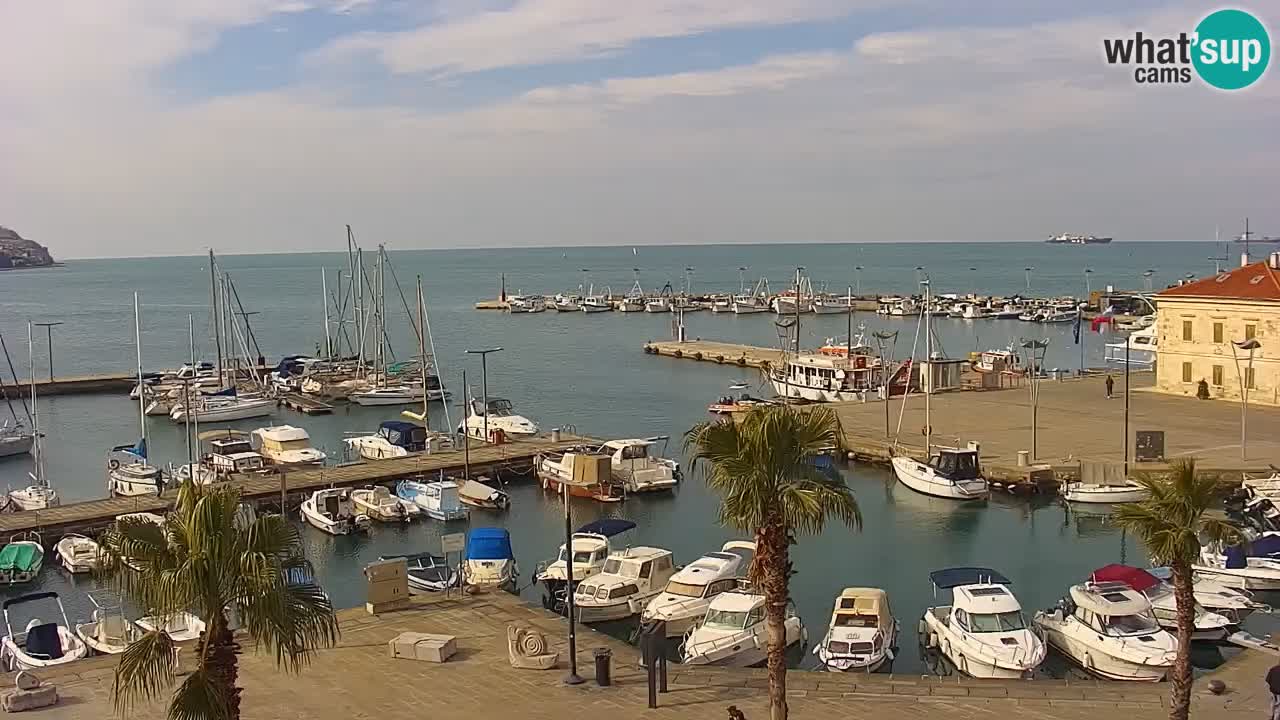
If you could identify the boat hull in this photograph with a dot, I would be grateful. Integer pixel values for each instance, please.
(127, 485)
(1240, 578)
(11, 445)
(242, 410)
(1098, 663)
(1102, 494)
(800, 392)
(917, 477)
(751, 650)
(15, 657)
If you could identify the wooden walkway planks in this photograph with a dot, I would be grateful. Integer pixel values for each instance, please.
(716, 352)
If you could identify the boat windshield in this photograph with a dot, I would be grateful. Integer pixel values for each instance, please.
(1122, 625)
(840, 647)
(726, 619)
(685, 589)
(997, 622)
(293, 445)
(614, 566)
(580, 557)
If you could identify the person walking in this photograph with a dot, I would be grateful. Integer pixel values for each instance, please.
(1273, 684)
(1111, 386)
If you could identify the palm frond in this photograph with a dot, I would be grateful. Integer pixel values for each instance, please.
(145, 669)
(293, 621)
(199, 698)
(1173, 519)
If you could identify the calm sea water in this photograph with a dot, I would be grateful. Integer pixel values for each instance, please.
(588, 371)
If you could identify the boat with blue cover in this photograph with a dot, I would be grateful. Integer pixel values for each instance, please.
(489, 561)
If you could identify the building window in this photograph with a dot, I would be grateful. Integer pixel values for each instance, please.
(1217, 376)
(1250, 331)
(1248, 379)
(1217, 333)
(1186, 372)
(1186, 330)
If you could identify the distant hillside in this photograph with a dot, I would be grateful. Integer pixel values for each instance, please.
(19, 252)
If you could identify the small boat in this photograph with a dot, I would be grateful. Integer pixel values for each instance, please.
(1108, 630)
(77, 553)
(630, 578)
(817, 377)
(391, 395)
(180, 626)
(590, 549)
(567, 303)
(130, 475)
(953, 473)
(660, 304)
(223, 408)
(36, 496)
(637, 470)
(489, 562)
(684, 601)
(1255, 567)
(631, 303)
(21, 559)
(526, 304)
(1078, 492)
(395, 438)
(596, 304)
(379, 504)
(983, 631)
(1231, 603)
(501, 419)
(286, 446)
(829, 305)
(1208, 625)
(727, 405)
(332, 511)
(580, 472)
(15, 440)
(733, 632)
(43, 644)
(439, 500)
(427, 572)
(476, 494)
(108, 631)
(863, 634)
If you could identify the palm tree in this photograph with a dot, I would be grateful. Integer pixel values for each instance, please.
(764, 471)
(1172, 522)
(208, 559)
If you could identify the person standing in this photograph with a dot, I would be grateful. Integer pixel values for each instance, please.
(1273, 684)
(1111, 386)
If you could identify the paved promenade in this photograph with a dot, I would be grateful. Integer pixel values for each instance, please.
(359, 681)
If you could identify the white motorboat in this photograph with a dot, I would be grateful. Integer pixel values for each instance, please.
(108, 631)
(1164, 608)
(591, 547)
(477, 494)
(1060, 314)
(129, 474)
(77, 553)
(952, 473)
(332, 511)
(1108, 630)
(733, 633)
(42, 644)
(1232, 603)
(684, 601)
(15, 440)
(501, 418)
(631, 303)
(757, 301)
(567, 303)
(863, 634)
(983, 632)
(403, 394)
(1137, 350)
(180, 626)
(659, 304)
(830, 305)
(526, 304)
(287, 446)
(630, 578)
(438, 500)
(489, 561)
(637, 470)
(223, 408)
(21, 559)
(826, 378)
(394, 438)
(1078, 492)
(428, 573)
(379, 504)
(1256, 567)
(593, 303)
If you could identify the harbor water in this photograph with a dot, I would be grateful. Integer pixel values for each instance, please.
(587, 372)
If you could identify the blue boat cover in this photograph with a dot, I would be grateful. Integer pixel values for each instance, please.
(401, 426)
(607, 527)
(1265, 546)
(955, 577)
(1235, 557)
(489, 544)
(137, 450)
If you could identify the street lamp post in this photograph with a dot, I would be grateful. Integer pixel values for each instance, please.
(1028, 270)
(484, 383)
(1250, 344)
(48, 329)
(881, 337)
(1088, 284)
(857, 279)
(572, 678)
(1043, 347)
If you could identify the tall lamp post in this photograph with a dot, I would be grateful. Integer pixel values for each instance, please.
(484, 383)
(857, 279)
(1088, 284)
(1251, 344)
(881, 337)
(1042, 347)
(48, 329)
(1028, 270)
(572, 678)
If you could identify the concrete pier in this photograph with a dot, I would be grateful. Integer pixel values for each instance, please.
(716, 352)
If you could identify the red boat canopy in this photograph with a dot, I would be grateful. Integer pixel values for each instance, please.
(1136, 578)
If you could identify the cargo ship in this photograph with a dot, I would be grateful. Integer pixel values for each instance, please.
(1069, 239)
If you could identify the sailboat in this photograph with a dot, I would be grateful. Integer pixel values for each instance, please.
(15, 439)
(953, 473)
(39, 494)
(128, 472)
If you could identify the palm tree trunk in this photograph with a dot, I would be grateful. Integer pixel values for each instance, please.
(774, 561)
(1180, 706)
(221, 661)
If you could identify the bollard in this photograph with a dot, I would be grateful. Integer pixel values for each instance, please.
(555, 434)
(1024, 458)
(603, 675)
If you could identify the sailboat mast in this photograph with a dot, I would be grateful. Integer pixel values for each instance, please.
(137, 341)
(422, 354)
(186, 391)
(37, 456)
(359, 295)
(213, 315)
(324, 298)
(797, 314)
(928, 365)
(848, 350)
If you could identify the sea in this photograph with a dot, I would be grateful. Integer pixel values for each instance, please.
(588, 373)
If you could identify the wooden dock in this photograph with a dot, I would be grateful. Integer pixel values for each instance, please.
(515, 458)
(77, 385)
(716, 352)
(305, 404)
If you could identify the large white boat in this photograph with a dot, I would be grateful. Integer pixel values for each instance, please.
(831, 305)
(630, 578)
(596, 303)
(394, 438)
(827, 378)
(863, 634)
(637, 470)
(734, 634)
(15, 439)
(684, 601)
(379, 504)
(567, 303)
(1255, 566)
(501, 417)
(332, 511)
(1208, 625)
(389, 395)
(1107, 629)
(439, 499)
(953, 473)
(223, 408)
(633, 301)
(1231, 603)
(1100, 494)
(43, 644)
(1137, 350)
(591, 547)
(983, 631)
(286, 446)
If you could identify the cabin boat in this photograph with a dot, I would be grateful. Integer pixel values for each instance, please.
(1097, 493)
(77, 553)
(108, 631)
(826, 378)
(755, 302)
(180, 626)
(488, 561)
(439, 499)
(566, 303)
(1107, 629)
(630, 578)
(898, 306)
(733, 633)
(1252, 567)
(1229, 602)
(21, 559)
(233, 454)
(581, 472)
(287, 446)
(427, 572)
(332, 511)
(503, 422)
(637, 470)
(1208, 625)
(591, 547)
(477, 494)
(43, 644)
(15, 440)
(831, 305)
(863, 634)
(983, 631)
(953, 473)
(223, 408)
(526, 304)
(394, 438)
(684, 601)
(659, 304)
(379, 504)
(1137, 350)
(596, 304)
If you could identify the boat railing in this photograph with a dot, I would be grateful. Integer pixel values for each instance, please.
(706, 647)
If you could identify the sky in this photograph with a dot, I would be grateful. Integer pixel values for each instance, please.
(152, 127)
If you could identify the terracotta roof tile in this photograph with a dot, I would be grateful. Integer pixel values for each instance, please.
(1256, 281)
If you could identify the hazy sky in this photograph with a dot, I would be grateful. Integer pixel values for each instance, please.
(148, 127)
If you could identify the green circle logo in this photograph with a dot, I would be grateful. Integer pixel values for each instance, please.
(1232, 49)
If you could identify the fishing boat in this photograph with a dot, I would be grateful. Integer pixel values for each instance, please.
(953, 473)
(43, 644)
(591, 546)
(180, 626)
(684, 601)
(826, 378)
(1231, 603)
(438, 500)
(734, 634)
(391, 395)
(39, 494)
(756, 302)
(332, 511)
(1208, 625)
(594, 303)
(567, 303)
(108, 631)
(526, 304)
(500, 416)
(631, 303)
(286, 446)
(630, 578)
(1107, 629)
(983, 631)
(581, 472)
(482, 496)
(798, 299)
(637, 470)
(379, 504)
(831, 305)
(21, 559)
(1096, 493)
(489, 561)
(77, 553)
(862, 635)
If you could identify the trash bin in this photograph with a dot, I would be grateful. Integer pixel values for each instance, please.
(603, 657)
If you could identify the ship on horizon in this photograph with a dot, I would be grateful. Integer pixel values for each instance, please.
(1070, 239)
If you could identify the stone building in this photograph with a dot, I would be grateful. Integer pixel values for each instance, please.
(1199, 324)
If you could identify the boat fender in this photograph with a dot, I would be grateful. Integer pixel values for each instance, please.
(678, 353)
(720, 359)
(742, 361)
(926, 430)
(1087, 662)
(922, 629)
(697, 356)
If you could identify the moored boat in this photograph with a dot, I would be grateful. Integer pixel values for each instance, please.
(863, 634)
(1107, 629)
(43, 644)
(480, 495)
(1207, 625)
(287, 446)
(489, 561)
(684, 600)
(331, 510)
(629, 579)
(733, 633)
(438, 500)
(591, 546)
(21, 559)
(77, 553)
(983, 632)
(952, 473)
(379, 504)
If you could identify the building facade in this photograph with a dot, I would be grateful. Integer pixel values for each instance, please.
(1201, 323)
